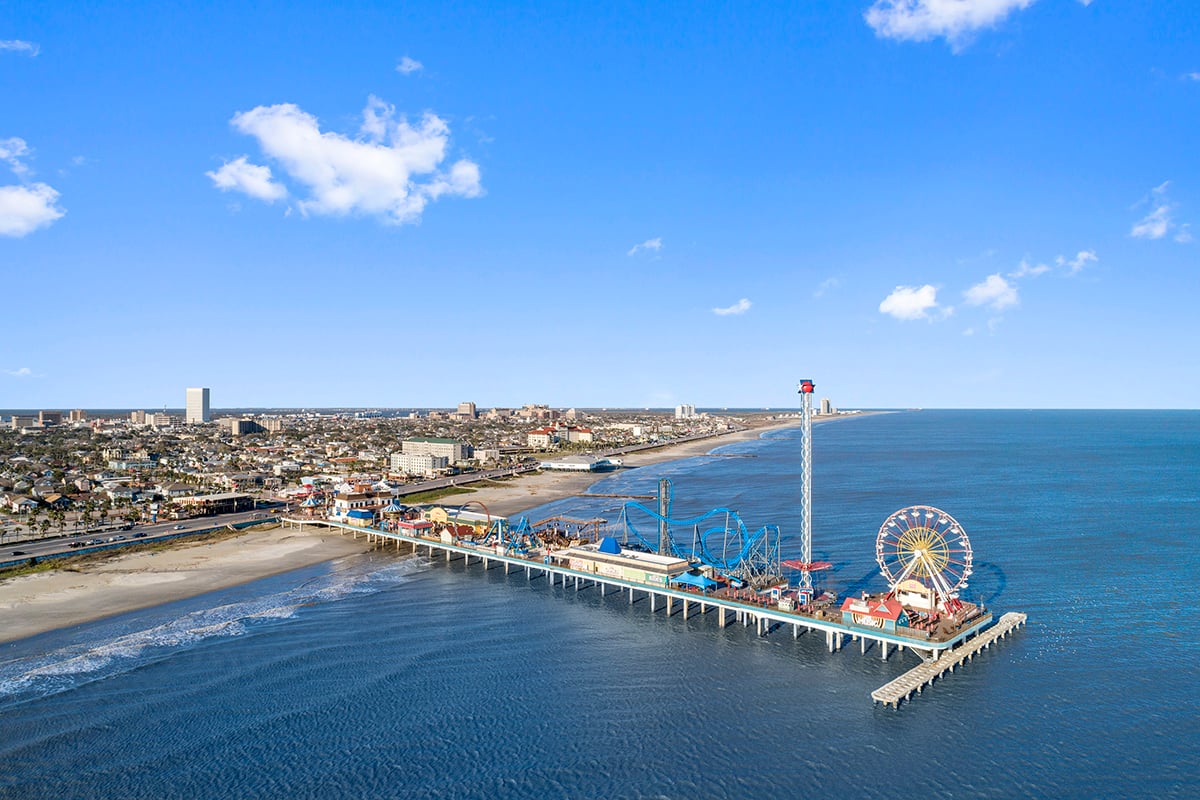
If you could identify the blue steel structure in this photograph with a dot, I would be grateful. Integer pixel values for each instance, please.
(729, 547)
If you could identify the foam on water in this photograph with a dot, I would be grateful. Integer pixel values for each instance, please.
(106, 652)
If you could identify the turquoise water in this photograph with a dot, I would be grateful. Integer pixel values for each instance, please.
(374, 676)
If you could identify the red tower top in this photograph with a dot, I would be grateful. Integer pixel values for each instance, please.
(807, 387)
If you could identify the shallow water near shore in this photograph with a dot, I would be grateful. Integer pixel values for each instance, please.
(401, 677)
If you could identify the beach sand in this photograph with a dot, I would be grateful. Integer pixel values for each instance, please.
(33, 604)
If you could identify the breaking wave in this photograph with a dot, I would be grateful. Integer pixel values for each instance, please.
(118, 652)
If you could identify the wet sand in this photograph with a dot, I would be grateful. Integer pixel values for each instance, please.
(32, 604)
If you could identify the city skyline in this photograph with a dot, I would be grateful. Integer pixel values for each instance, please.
(984, 204)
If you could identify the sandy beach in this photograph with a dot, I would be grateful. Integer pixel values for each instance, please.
(33, 604)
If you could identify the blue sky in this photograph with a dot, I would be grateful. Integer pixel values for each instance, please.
(935, 203)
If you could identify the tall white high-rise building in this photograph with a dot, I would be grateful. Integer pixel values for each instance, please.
(197, 406)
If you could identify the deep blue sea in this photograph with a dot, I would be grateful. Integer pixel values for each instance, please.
(378, 676)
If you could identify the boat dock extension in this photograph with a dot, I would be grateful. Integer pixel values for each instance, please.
(917, 678)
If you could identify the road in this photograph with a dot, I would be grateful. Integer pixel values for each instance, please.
(144, 533)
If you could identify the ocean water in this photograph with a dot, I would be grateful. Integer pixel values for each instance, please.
(378, 676)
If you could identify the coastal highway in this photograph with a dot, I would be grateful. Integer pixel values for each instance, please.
(140, 533)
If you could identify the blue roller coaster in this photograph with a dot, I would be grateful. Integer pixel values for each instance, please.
(728, 547)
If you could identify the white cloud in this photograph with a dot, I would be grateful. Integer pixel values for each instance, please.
(740, 307)
(953, 20)
(994, 292)
(375, 174)
(23, 372)
(1191, 76)
(1160, 220)
(24, 209)
(19, 46)
(1184, 236)
(249, 179)
(1075, 265)
(11, 151)
(1025, 269)
(408, 66)
(827, 285)
(910, 302)
(654, 244)
(1154, 225)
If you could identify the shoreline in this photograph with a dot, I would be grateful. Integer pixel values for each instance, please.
(65, 598)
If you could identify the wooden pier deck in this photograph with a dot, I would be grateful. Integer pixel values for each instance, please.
(940, 654)
(922, 675)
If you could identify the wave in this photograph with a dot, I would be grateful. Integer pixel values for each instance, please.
(109, 652)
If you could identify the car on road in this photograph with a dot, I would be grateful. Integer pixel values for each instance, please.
(180, 527)
(140, 535)
(18, 552)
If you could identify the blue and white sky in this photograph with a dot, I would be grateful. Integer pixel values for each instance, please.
(935, 203)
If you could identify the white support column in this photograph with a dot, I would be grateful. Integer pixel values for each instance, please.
(721, 616)
(685, 608)
(630, 595)
(653, 598)
(670, 604)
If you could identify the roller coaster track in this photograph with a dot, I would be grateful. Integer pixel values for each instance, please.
(755, 559)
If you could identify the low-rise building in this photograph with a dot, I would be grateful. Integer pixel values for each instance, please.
(609, 559)
(222, 503)
(451, 449)
(417, 464)
(542, 438)
(577, 464)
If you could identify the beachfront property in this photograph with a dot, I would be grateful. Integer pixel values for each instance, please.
(542, 438)
(423, 464)
(451, 449)
(220, 503)
(584, 463)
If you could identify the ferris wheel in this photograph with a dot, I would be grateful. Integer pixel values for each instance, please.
(927, 545)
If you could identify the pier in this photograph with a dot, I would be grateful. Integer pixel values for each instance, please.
(938, 655)
(922, 675)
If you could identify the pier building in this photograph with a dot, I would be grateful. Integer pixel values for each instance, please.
(609, 559)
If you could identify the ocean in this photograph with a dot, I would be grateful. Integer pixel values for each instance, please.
(385, 676)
